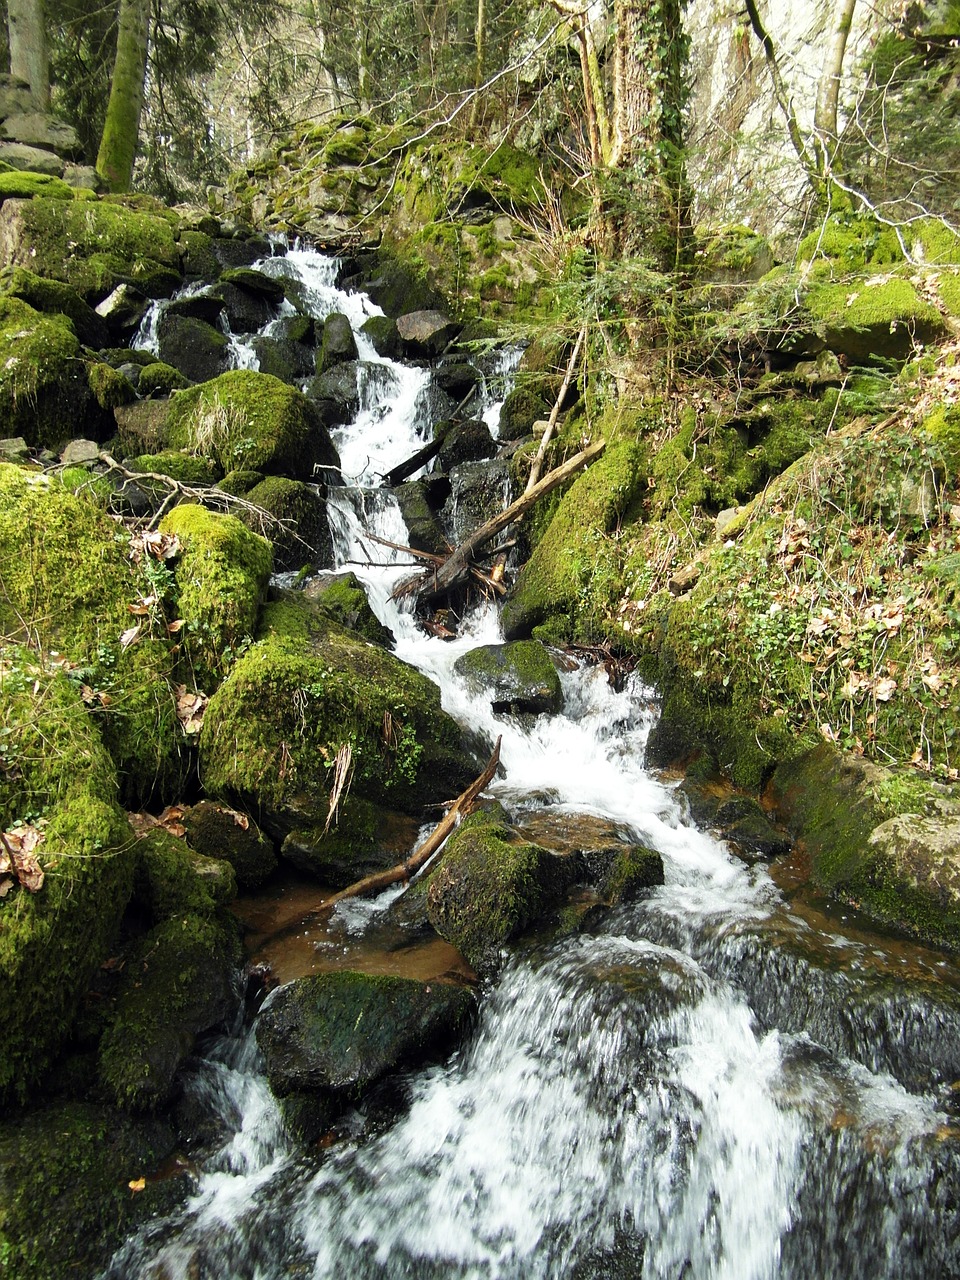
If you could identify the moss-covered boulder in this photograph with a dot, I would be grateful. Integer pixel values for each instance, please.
(173, 879)
(65, 1178)
(23, 184)
(308, 690)
(424, 532)
(92, 245)
(338, 344)
(490, 886)
(883, 840)
(176, 984)
(45, 392)
(55, 769)
(218, 832)
(341, 598)
(55, 298)
(603, 851)
(197, 350)
(382, 332)
(250, 420)
(221, 576)
(341, 1032)
(517, 676)
(566, 559)
(366, 838)
(69, 582)
(297, 528)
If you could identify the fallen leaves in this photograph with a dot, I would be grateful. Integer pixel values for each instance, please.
(170, 820)
(18, 859)
(162, 546)
(191, 704)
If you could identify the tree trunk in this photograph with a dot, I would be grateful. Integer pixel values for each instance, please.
(29, 58)
(121, 129)
(828, 90)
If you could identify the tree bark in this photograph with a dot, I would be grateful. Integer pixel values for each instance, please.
(121, 130)
(29, 56)
(828, 89)
(405, 870)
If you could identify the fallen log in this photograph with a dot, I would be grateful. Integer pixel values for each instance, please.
(458, 565)
(417, 460)
(555, 412)
(406, 870)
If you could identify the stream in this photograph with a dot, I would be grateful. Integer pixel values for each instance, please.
(728, 1079)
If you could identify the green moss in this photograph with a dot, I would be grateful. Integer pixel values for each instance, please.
(568, 573)
(305, 690)
(250, 421)
(92, 244)
(55, 767)
(173, 880)
(851, 243)
(109, 387)
(943, 427)
(159, 379)
(55, 298)
(67, 583)
(937, 242)
(43, 388)
(176, 984)
(948, 287)
(185, 467)
(298, 527)
(65, 1201)
(24, 185)
(197, 257)
(343, 600)
(221, 575)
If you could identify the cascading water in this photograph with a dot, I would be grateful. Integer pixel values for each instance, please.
(714, 1083)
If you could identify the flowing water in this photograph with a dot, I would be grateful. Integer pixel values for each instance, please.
(728, 1080)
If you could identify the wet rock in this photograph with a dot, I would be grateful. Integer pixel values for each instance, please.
(426, 333)
(468, 441)
(257, 283)
(921, 853)
(423, 528)
(393, 287)
(338, 345)
(199, 306)
(123, 310)
(742, 821)
(382, 332)
(173, 879)
(341, 598)
(302, 536)
(490, 886)
(478, 491)
(297, 328)
(341, 1032)
(284, 359)
(195, 349)
(608, 860)
(338, 387)
(520, 410)
(247, 312)
(234, 252)
(364, 839)
(217, 831)
(517, 676)
(456, 379)
(65, 1201)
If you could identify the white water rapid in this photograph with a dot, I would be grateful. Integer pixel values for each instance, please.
(714, 1083)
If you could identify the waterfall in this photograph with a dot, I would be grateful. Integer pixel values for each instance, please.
(708, 1084)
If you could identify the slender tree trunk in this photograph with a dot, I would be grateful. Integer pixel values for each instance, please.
(118, 146)
(29, 58)
(828, 89)
(480, 67)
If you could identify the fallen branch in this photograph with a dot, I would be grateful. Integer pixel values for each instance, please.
(555, 412)
(420, 459)
(457, 565)
(406, 870)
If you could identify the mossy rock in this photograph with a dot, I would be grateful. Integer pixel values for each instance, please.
(308, 1034)
(173, 879)
(199, 351)
(218, 832)
(177, 983)
(563, 563)
(490, 886)
(363, 838)
(197, 258)
(424, 531)
(382, 332)
(518, 676)
(186, 468)
(240, 482)
(52, 941)
(65, 1198)
(45, 395)
(342, 599)
(624, 874)
(298, 530)
(251, 421)
(159, 379)
(338, 344)
(52, 297)
(305, 690)
(89, 244)
(222, 574)
(880, 316)
(68, 582)
(22, 184)
(110, 388)
(852, 243)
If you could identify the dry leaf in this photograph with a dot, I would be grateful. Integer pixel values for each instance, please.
(130, 636)
(19, 856)
(137, 1184)
(885, 689)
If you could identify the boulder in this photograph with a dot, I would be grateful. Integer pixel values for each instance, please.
(340, 597)
(123, 310)
(197, 306)
(248, 310)
(517, 676)
(338, 345)
(197, 350)
(743, 822)
(478, 491)
(233, 252)
(468, 441)
(490, 886)
(523, 406)
(173, 879)
(457, 378)
(24, 185)
(217, 831)
(365, 838)
(382, 332)
(143, 427)
(283, 358)
(38, 129)
(341, 1032)
(51, 297)
(423, 528)
(608, 860)
(337, 388)
(424, 334)
(32, 159)
(302, 536)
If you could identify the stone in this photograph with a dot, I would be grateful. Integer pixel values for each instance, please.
(284, 359)
(143, 427)
(517, 677)
(479, 491)
(80, 453)
(218, 831)
(341, 598)
(468, 441)
(247, 312)
(14, 449)
(426, 333)
(15, 96)
(81, 176)
(338, 345)
(34, 159)
(302, 536)
(608, 860)
(423, 528)
(684, 579)
(457, 378)
(382, 332)
(341, 1032)
(338, 387)
(197, 350)
(921, 853)
(37, 129)
(123, 310)
(240, 252)
(198, 306)
(725, 519)
(743, 822)
(256, 282)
